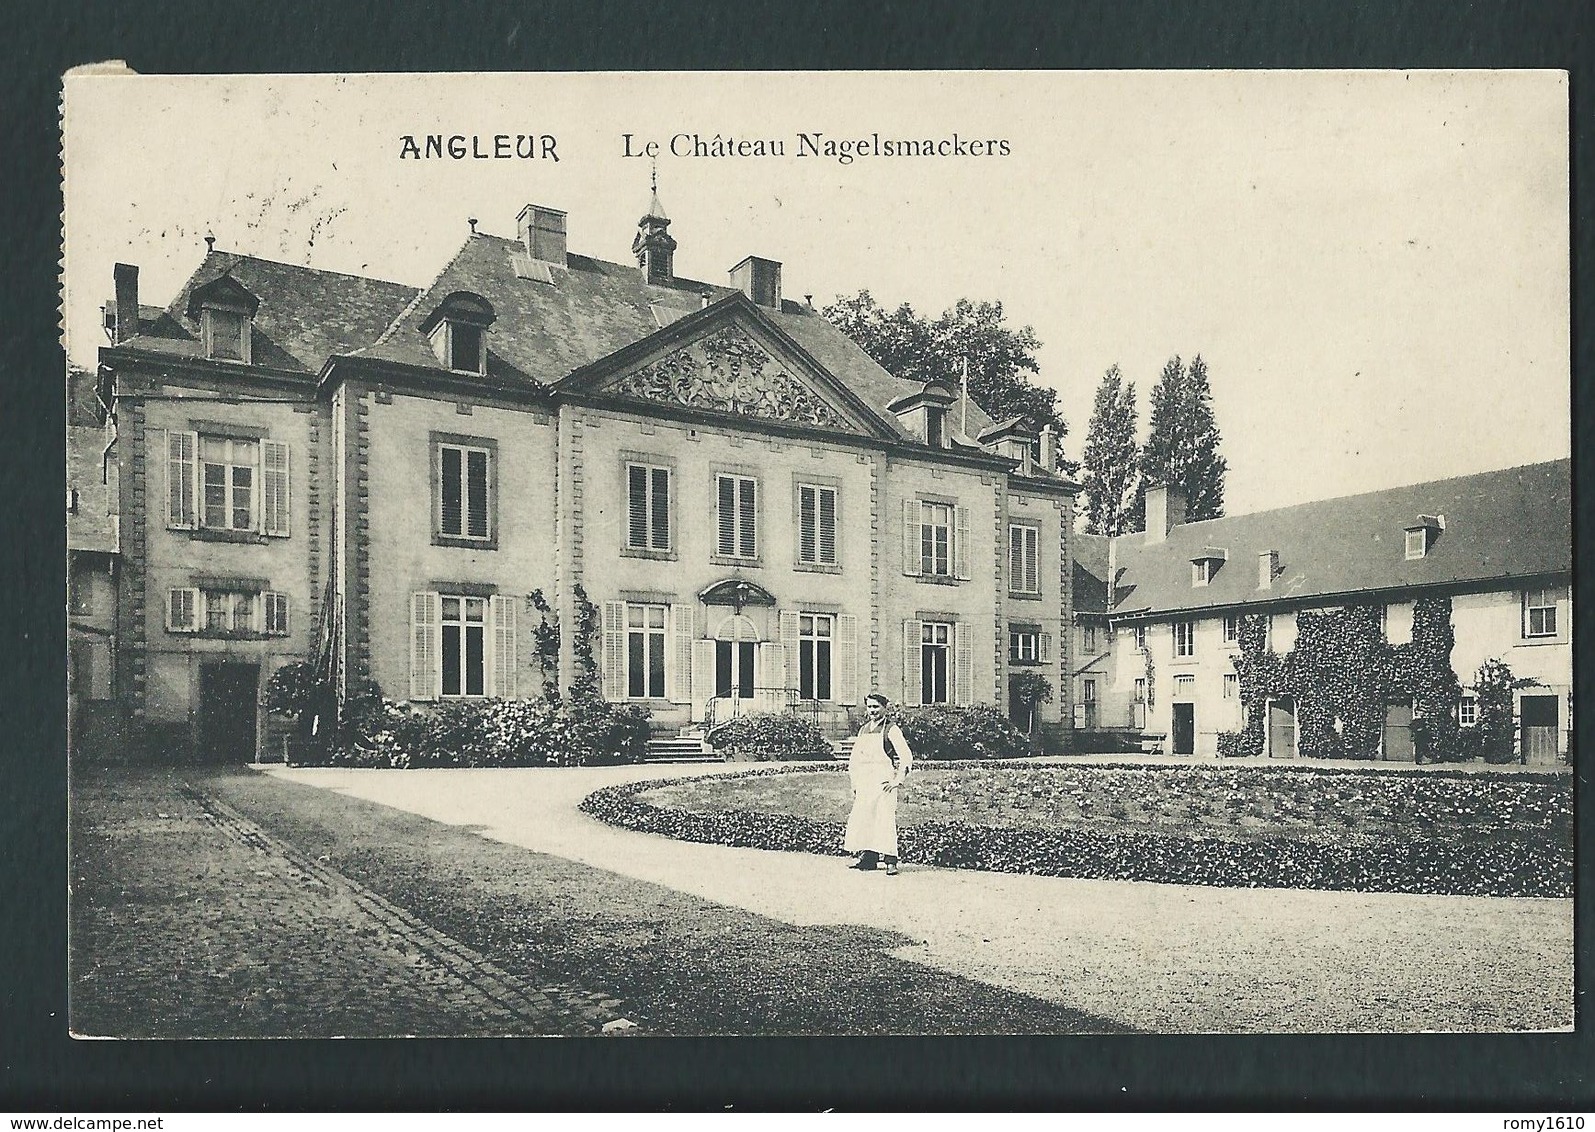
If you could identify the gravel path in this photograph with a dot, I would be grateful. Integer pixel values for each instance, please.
(1165, 958)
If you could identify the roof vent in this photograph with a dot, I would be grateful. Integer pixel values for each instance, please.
(1267, 569)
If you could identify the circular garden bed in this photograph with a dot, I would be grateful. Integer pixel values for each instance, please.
(1295, 827)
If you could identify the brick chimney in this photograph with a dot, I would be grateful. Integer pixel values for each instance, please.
(542, 232)
(1165, 510)
(760, 280)
(126, 276)
(1049, 451)
(1267, 569)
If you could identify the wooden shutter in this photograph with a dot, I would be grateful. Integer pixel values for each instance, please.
(426, 669)
(1046, 646)
(661, 538)
(702, 678)
(1033, 563)
(769, 675)
(808, 523)
(636, 506)
(911, 538)
(913, 632)
(182, 610)
(614, 651)
(963, 666)
(725, 506)
(747, 518)
(961, 543)
(1016, 564)
(274, 488)
(182, 474)
(789, 642)
(681, 657)
(825, 519)
(505, 656)
(844, 659)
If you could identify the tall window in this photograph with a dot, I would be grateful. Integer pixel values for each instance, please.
(815, 634)
(463, 487)
(816, 525)
(1468, 710)
(935, 650)
(1140, 636)
(738, 513)
(228, 611)
(645, 652)
(1088, 696)
(1024, 573)
(1232, 685)
(1140, 689)
(1088, 637)
(1185, 638)
(647, 507)
(935, 541)
(222, 483)
(1539, 612)
(225, 335)
(227, 473)
(464, 645)
(465, 347)
(1232, 628)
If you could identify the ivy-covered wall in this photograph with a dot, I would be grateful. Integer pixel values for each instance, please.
(1341, 674)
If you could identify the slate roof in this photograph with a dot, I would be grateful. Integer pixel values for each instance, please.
(305, 313)
(545, 332)
(1511, 523)
(93, 527)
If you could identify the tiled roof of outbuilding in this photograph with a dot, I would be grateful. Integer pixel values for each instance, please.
(305, 314)
(1511, 523)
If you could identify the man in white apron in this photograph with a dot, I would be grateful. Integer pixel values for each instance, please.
(876, 768)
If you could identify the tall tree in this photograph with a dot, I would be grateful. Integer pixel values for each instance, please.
(1000, 356)
(1109, 464)
(1181, 447)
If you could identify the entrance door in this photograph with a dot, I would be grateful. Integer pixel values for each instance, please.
(1184, 729)
(1398, 746)
(227, 712)
(733, 669)
(1540, 723)
(1281, 729)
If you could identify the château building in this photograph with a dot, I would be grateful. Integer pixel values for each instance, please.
(400, 481)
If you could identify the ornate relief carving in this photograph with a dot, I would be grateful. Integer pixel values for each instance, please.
(729, 372)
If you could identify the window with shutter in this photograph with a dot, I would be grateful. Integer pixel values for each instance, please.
(1024, 553)
(182, 610)
(681, 661)
(936, 539)
(276, 613)
(647, 507)
(614, 620)
(464, 491)
(463, 641)
(963, 679)
(736, 504)
(913, 631)
(911, 537)
(961, 544)
(816, 525)
(846, 659)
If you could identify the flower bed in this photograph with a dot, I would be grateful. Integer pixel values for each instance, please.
(1439, 832)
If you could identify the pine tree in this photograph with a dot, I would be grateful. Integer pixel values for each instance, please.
(1109, 463)
(1181, 449)
(1204, 467)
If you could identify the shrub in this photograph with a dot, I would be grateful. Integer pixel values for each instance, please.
(1229, 745)
(767, 736)
(977, 732)
(496, 733)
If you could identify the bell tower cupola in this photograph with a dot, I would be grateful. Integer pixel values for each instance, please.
(653, 246)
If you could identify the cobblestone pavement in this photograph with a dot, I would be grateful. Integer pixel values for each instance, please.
(188, 920)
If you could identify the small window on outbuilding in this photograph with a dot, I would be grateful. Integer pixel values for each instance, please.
(1422, 535)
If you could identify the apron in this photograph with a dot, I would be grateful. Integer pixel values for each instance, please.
(873, 823)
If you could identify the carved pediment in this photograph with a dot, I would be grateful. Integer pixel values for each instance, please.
(728, 371)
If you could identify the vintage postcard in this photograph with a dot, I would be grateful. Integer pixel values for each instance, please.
(819, 553)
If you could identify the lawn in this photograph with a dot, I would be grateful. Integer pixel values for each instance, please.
(1327, 828)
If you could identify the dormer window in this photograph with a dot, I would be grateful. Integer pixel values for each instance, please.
(457, 328)
(923, 413)
(226, 335)
(1206, 565)
(1421, 536)
(226, 310)
(1014, 441)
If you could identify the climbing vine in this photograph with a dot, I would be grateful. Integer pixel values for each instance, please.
(1151, 680)
(1493, 732)
(545, 644)
(581, 645)
(1341, 674)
